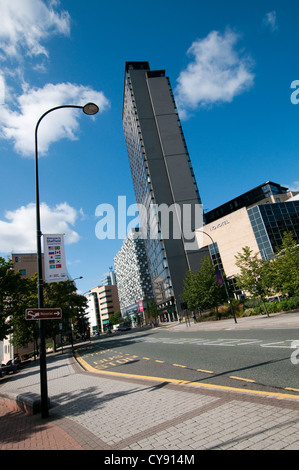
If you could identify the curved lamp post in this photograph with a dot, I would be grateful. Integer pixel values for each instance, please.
(224, 281)
(89, 109)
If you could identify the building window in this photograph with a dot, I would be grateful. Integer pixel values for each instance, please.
(215, 256)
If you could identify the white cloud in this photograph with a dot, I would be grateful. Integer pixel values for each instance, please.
(19, 125)
(18, 231)
(294, 186)
(271, 20)
(217, 73)
(25, 27)
(25, 24)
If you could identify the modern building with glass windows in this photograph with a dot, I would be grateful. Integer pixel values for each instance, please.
(162, 175)
(133, 277)
(268, 192)
(109, 279)
(103, 301)
(254, 221)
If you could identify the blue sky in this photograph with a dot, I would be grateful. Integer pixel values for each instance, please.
(231, 65)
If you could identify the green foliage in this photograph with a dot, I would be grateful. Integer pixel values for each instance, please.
(63, 295)
(21, 293)
(25, 331)
(115, 318)
(11, 290)
(261, 279)
(274, 307)
(151, 310)
(253, 277)
(285, 267)
(253, 271)
(191, 293)
(201, 290)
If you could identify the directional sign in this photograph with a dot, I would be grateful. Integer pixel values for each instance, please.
(43, 314)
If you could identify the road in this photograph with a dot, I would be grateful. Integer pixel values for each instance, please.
(253, 359)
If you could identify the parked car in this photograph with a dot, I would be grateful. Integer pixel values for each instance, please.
(11, 366)
(276, 298)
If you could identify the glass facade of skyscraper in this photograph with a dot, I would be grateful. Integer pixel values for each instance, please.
(142, 185)
(162, 174)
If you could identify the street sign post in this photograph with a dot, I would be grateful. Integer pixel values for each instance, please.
(43, 314)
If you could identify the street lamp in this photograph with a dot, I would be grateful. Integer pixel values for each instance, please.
(89, 109)
(224, 281)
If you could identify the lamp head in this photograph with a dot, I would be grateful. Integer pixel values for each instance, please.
(90, 109)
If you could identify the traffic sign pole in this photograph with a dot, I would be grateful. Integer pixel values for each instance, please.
(43, 371)
(42, 314)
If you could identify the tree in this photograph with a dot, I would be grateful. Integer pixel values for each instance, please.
(253, 277)
(63, 295)
(115, 318)
(11, 290)
(211, 293)
(56, 295)
(201, 290)
(191, 291)
(151, 310)
(285, 266)
(24, 331)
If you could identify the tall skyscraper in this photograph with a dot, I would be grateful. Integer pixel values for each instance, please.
(162, 177)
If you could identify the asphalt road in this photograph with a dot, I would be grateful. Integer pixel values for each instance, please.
(257, 359)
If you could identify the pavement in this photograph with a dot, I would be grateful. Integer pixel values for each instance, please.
(122, 415)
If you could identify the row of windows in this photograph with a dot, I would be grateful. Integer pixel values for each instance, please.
(269, 222)
(260, 233)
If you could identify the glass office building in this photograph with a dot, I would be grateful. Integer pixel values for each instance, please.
(269, 191)
(259, 223)
(271, 221)
(162, 174)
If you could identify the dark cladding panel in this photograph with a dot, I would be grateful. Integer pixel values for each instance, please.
(182, 182)
(160, 95)
(170, 134)
(151, 139)
(141, 96)
(158, 178)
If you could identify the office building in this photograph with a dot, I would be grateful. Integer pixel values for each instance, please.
(251, 220)
(104, 303)
(109, 279)
(93, 313)
(162, 175)
(26, 264)
(265, 193)
(133, 277)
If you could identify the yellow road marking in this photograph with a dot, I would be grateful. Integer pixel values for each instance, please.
(184, 382)
(178, 365)
(292, 389)
(207, 371)
(241, 378)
